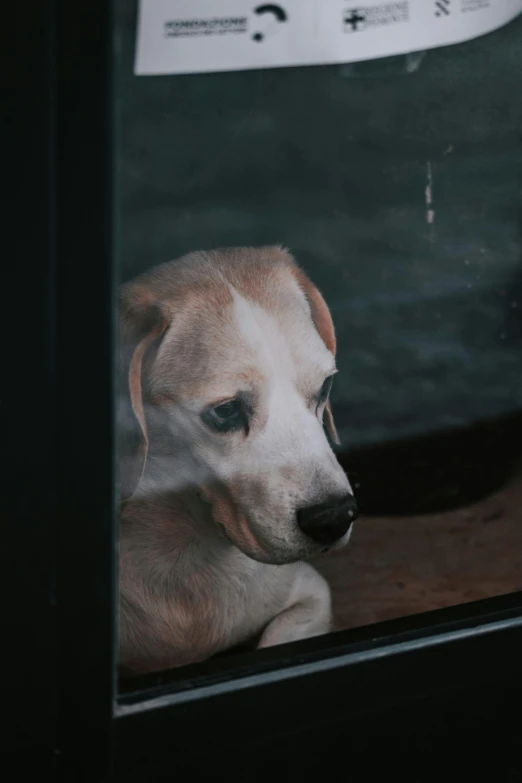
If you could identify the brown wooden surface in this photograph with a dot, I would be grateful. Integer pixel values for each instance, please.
(406, 565)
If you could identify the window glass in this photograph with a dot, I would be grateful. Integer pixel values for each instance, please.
(320, 334)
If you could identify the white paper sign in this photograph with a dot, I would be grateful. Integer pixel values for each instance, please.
(199, 36)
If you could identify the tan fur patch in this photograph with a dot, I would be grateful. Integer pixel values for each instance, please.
(319, 309)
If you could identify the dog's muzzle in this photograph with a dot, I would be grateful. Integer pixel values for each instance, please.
(328, 522)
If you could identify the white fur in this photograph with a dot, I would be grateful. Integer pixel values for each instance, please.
(193, 581)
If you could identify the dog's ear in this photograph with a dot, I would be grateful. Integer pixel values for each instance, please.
(324, 325)
(142, 325)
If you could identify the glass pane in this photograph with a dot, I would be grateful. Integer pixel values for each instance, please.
(392, 187)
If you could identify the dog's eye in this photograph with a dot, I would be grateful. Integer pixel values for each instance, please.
(227, 417)
(325, 391)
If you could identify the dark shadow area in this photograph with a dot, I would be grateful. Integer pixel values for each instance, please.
(437, 472)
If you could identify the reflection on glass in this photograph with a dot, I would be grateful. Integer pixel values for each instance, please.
(397, 192)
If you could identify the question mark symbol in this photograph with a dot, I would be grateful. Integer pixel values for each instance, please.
(279, 15)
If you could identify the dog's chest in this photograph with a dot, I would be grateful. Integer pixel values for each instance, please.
(230, 603)
(197, 609)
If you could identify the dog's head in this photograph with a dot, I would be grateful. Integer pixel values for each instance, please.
(227, 359)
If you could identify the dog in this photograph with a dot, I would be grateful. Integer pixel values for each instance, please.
(228, 482)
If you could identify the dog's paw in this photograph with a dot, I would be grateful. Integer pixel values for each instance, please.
(308, 612)
(284, 632)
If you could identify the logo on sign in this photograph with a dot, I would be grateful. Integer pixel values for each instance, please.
(356, 20)
(442, 7)
(275, 14)
(268, 18)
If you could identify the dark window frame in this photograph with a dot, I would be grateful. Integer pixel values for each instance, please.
(346, 675)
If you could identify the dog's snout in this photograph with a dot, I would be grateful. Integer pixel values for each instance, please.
(327, 522)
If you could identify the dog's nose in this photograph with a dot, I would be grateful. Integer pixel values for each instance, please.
(328, 522)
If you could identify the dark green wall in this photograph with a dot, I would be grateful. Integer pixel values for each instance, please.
(332, 162)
